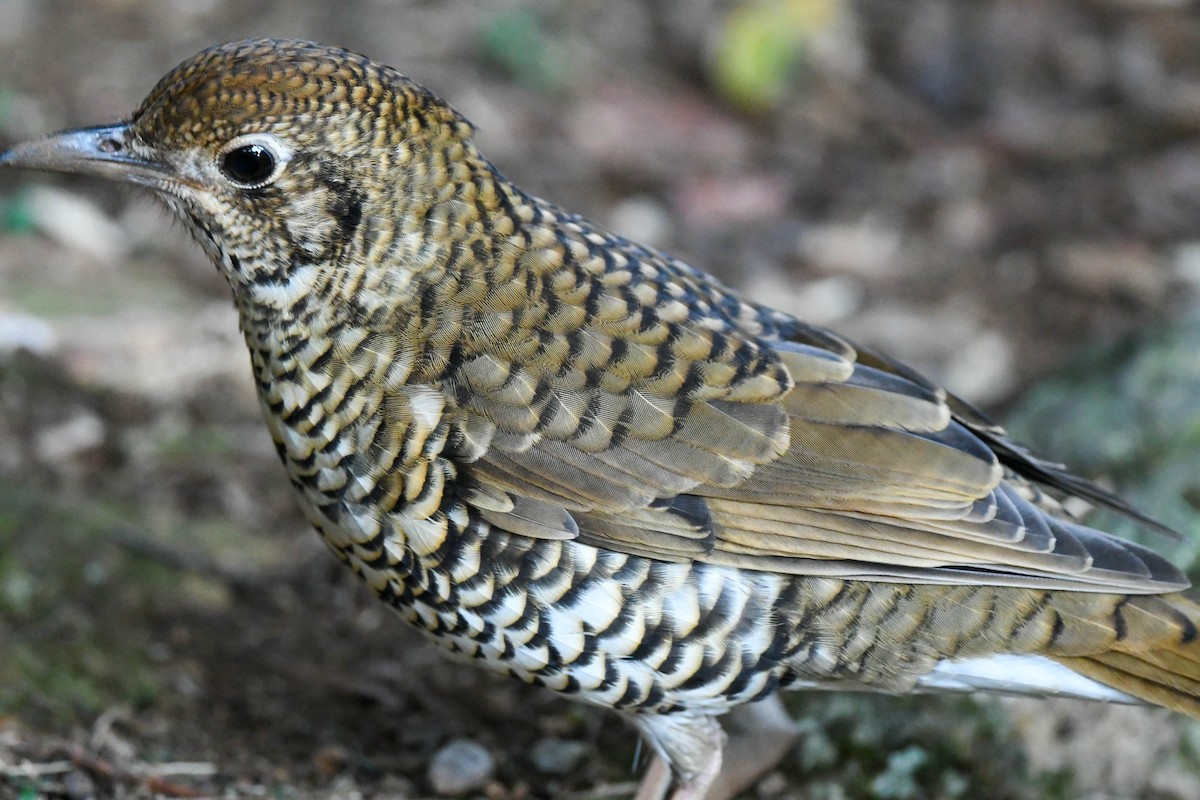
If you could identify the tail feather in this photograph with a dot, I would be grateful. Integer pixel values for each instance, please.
(1155, 689)
(1158, 662)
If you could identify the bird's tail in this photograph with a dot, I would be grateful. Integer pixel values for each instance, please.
(1154, 650)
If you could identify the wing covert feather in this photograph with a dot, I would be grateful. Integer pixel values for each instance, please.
(664, 417)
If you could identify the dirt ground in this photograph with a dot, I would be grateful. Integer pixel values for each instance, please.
(1005, 194)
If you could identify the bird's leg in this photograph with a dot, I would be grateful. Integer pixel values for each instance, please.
(686, 745)
(698, 787)
(660, 783)
(718, 769)
(760, 734)
(656, 783)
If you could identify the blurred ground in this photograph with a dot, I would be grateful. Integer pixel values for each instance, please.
(1002, 193)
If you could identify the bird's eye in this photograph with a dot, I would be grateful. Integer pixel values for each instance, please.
(250, 165)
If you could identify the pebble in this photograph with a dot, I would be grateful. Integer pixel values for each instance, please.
(824, 301)
(554, 756)
(867, 248)
(983, 368)
(20, 331)
(78, 223)
(1186, 263)
(64, 441)
(731, 200)
(394, 787)
(1106, 269)
(642, 219)
(330, 760)
(78, 785)
(460, 766)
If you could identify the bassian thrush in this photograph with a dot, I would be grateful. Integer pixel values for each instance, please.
(586, 464)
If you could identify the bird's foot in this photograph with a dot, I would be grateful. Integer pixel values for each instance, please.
(762, 734)
(660, 783)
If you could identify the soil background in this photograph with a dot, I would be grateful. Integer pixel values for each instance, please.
(1005, 194)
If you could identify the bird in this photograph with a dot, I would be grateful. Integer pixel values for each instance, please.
(586, 464)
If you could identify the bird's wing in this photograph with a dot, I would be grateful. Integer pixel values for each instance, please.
(884, 477)
(650, 412)
(615, 403)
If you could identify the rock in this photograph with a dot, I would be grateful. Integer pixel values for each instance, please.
(824, 301)
(1186, 260)
(1106, 269)
(394, 787)
(898, 780)
(78, 785)
(633, 127)
(968, 224)
(25, 332)
(868, 248)
(460, 766)
(62, 442)
(554, 756)
(731, 200)
(642, 219)
(78, 223)
(330, 760)
(982, 369)
(1043, 130)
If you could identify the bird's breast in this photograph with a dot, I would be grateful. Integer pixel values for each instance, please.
(365, 453)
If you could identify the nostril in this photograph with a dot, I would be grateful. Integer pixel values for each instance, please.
(110, 146)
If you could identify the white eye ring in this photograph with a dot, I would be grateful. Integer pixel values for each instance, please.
(253, 160)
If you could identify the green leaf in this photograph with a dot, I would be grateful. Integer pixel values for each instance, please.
(762, 45)
(517, 42)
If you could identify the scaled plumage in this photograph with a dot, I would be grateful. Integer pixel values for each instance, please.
(594, 467)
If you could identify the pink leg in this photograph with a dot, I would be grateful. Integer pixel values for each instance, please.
(656, 782)
(698, 787)
(715, 769)
(688, 756)
(760, 735)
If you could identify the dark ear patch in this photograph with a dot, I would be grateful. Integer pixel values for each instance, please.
(348, 213)
(345, 206)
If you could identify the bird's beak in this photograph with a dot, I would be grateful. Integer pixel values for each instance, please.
(103, 151)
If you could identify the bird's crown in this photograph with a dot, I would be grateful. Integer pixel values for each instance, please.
(215, 94)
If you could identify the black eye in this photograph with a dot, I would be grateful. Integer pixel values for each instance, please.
(249, 165)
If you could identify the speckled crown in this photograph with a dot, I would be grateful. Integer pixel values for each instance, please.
(214, 94)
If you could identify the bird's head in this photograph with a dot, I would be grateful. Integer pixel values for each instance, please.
(276, 154)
